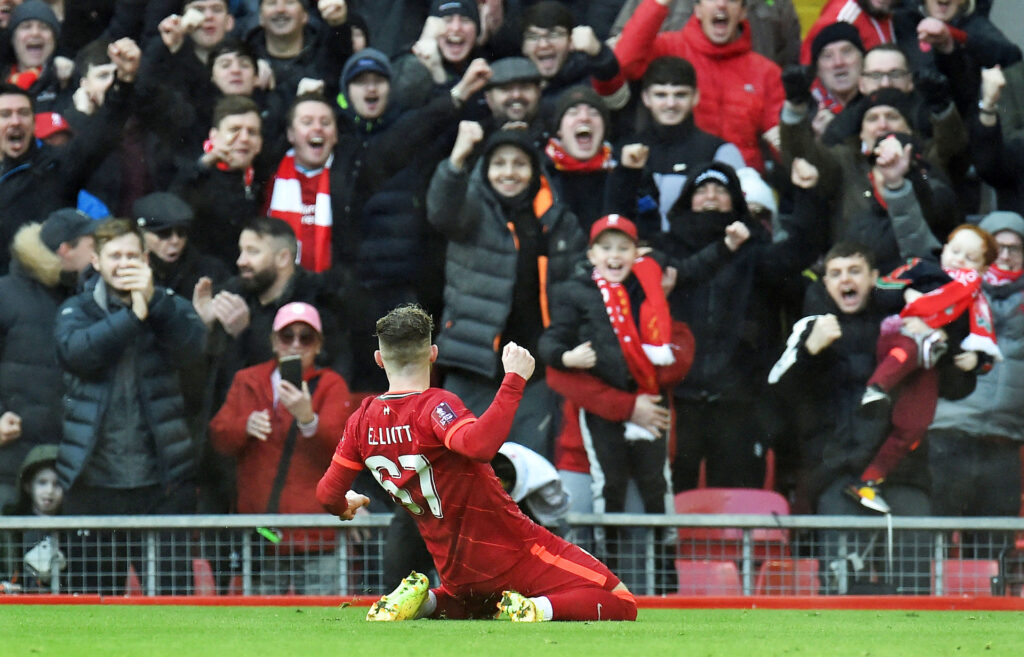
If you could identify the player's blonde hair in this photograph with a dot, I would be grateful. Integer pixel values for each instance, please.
(404, 335)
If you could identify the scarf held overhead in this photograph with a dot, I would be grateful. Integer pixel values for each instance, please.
(304, 201)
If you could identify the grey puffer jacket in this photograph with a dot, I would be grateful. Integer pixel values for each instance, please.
(481, 263)
(90, 341)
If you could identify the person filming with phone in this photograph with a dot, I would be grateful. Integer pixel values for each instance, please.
(281, 421)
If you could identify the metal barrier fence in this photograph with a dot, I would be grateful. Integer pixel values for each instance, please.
(670, 554)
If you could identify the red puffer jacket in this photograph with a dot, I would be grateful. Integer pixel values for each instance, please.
(741, 91)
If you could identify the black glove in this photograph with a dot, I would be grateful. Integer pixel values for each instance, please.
(934, 88)
(796, 80)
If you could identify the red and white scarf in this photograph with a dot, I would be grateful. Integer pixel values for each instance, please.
(304, 201)
(995, 276)
(565, 162)
(648, 346)
(945, 304)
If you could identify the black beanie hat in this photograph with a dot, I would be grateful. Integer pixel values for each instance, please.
(835, 32)
(465, 8)
(900, 101)
(34, 10)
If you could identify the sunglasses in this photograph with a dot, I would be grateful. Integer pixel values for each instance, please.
(165, 234)
(306, 337)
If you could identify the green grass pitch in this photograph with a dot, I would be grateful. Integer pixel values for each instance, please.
(172, 631)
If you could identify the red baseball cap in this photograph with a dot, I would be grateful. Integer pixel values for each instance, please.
(613, 222)
(49, 124)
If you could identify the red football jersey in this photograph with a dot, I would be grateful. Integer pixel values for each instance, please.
(473, 529)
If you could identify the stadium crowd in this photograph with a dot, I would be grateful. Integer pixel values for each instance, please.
(695, 220)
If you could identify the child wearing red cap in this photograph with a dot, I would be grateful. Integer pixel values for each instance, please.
(614, 322)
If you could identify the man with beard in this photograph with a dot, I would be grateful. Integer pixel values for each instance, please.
(513, 95)
(872, 18)
(724, 413)
(268, 278)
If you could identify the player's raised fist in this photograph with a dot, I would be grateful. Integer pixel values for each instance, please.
(518, 360)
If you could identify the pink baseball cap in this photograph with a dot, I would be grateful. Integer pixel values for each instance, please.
(297, 311)
(613, 222)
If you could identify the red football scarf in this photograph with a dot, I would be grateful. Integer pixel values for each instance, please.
(996, 276)
(655, 323)
(565, 162)
(24, 79)
(825, 99)
(945, 304)
(304, 201)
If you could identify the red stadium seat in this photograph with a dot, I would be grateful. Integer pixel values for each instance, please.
(967, 576)
(727, 543)
(788, 577)
(202, 578)
(708, 577)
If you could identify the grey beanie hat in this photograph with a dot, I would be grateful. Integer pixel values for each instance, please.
(34, 10)
(1000, 220)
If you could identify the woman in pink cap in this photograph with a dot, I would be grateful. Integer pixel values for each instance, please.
(283, 437)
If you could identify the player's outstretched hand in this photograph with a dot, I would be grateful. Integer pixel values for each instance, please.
(355, 502)
(518, 360)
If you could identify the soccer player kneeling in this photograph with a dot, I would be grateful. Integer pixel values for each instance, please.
(432, 455)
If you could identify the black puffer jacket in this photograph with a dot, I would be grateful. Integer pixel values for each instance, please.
(581, 316)
(90, 341)
(30, 380)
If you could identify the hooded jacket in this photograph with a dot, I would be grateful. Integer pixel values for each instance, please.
(483, 258)
(30, 379)
(732, 313)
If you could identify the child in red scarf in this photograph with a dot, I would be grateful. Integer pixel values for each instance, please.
(945, 305)
(613, 321)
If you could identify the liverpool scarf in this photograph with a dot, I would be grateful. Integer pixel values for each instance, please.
(565, 162)
(24, 79)
(945, 304)
(995, 276)
(304, 201)
(647, 345)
